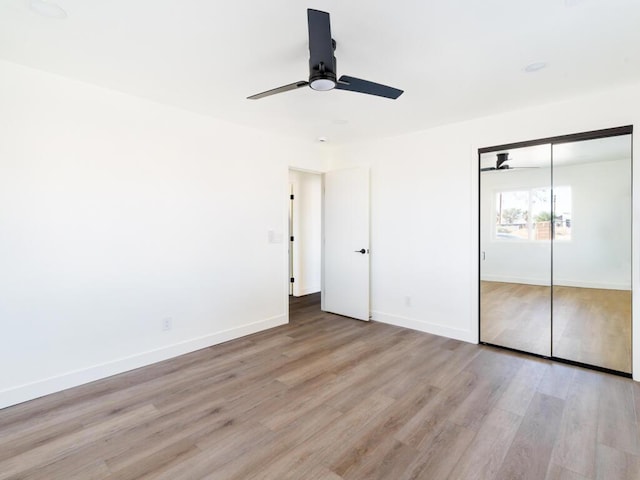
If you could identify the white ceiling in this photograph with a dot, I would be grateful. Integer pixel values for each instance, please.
(455, 59)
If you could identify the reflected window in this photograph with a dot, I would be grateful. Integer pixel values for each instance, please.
(541, 214)
(527, 214)
(512, 215)
(562, 209)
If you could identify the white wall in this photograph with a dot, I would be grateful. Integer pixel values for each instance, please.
(307, 231)
(425, 208)
(116, 213)
(599, 253)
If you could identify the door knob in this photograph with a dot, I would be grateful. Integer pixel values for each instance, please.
(362, 251)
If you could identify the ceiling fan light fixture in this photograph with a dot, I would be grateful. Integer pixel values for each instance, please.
(322, 84)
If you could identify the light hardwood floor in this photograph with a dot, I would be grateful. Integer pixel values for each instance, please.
(516, 316)
(329, 398)
(590, 325)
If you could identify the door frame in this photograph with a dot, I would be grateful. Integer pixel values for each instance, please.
(287, 206)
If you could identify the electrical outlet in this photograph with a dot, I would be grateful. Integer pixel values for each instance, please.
(167, 323)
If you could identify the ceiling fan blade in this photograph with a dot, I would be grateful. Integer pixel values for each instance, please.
(364, 86)
(285, 88)
(320, 42)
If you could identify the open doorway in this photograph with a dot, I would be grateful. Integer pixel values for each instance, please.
(305, 233)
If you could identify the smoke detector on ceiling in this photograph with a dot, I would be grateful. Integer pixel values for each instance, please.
(534, 67)
(47, 9)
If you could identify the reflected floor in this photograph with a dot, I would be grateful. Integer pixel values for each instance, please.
(591, 326)
(516, 316)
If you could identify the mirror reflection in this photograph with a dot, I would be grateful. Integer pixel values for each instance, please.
(555, 250)
(515, 243)
(592, 266)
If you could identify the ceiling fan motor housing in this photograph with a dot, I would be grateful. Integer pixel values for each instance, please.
(502, 158)
(323, 77)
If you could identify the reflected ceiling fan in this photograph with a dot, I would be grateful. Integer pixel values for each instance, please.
(322, 65)
(501, 164)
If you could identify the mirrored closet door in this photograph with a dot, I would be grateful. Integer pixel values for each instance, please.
(592, 252)
(555, 248)
(515, 248)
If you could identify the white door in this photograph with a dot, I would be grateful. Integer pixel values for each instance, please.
(346, 243)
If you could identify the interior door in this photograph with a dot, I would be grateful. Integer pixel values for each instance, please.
(345, 288)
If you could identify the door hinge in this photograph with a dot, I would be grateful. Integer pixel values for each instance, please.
(292, 238)
(292, 280)
(291, 196)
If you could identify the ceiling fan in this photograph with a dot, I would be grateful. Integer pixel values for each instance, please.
(322, 65)
(501, 163)
(502, 158)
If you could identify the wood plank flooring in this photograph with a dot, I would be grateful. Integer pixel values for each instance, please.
(329, 398)
(590, 325)
(516, 316)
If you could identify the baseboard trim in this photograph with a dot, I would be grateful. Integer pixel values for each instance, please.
(543, 282)
(306, 291)
(40, 388)
(422, 326)
(558, 282)
(602, 286)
